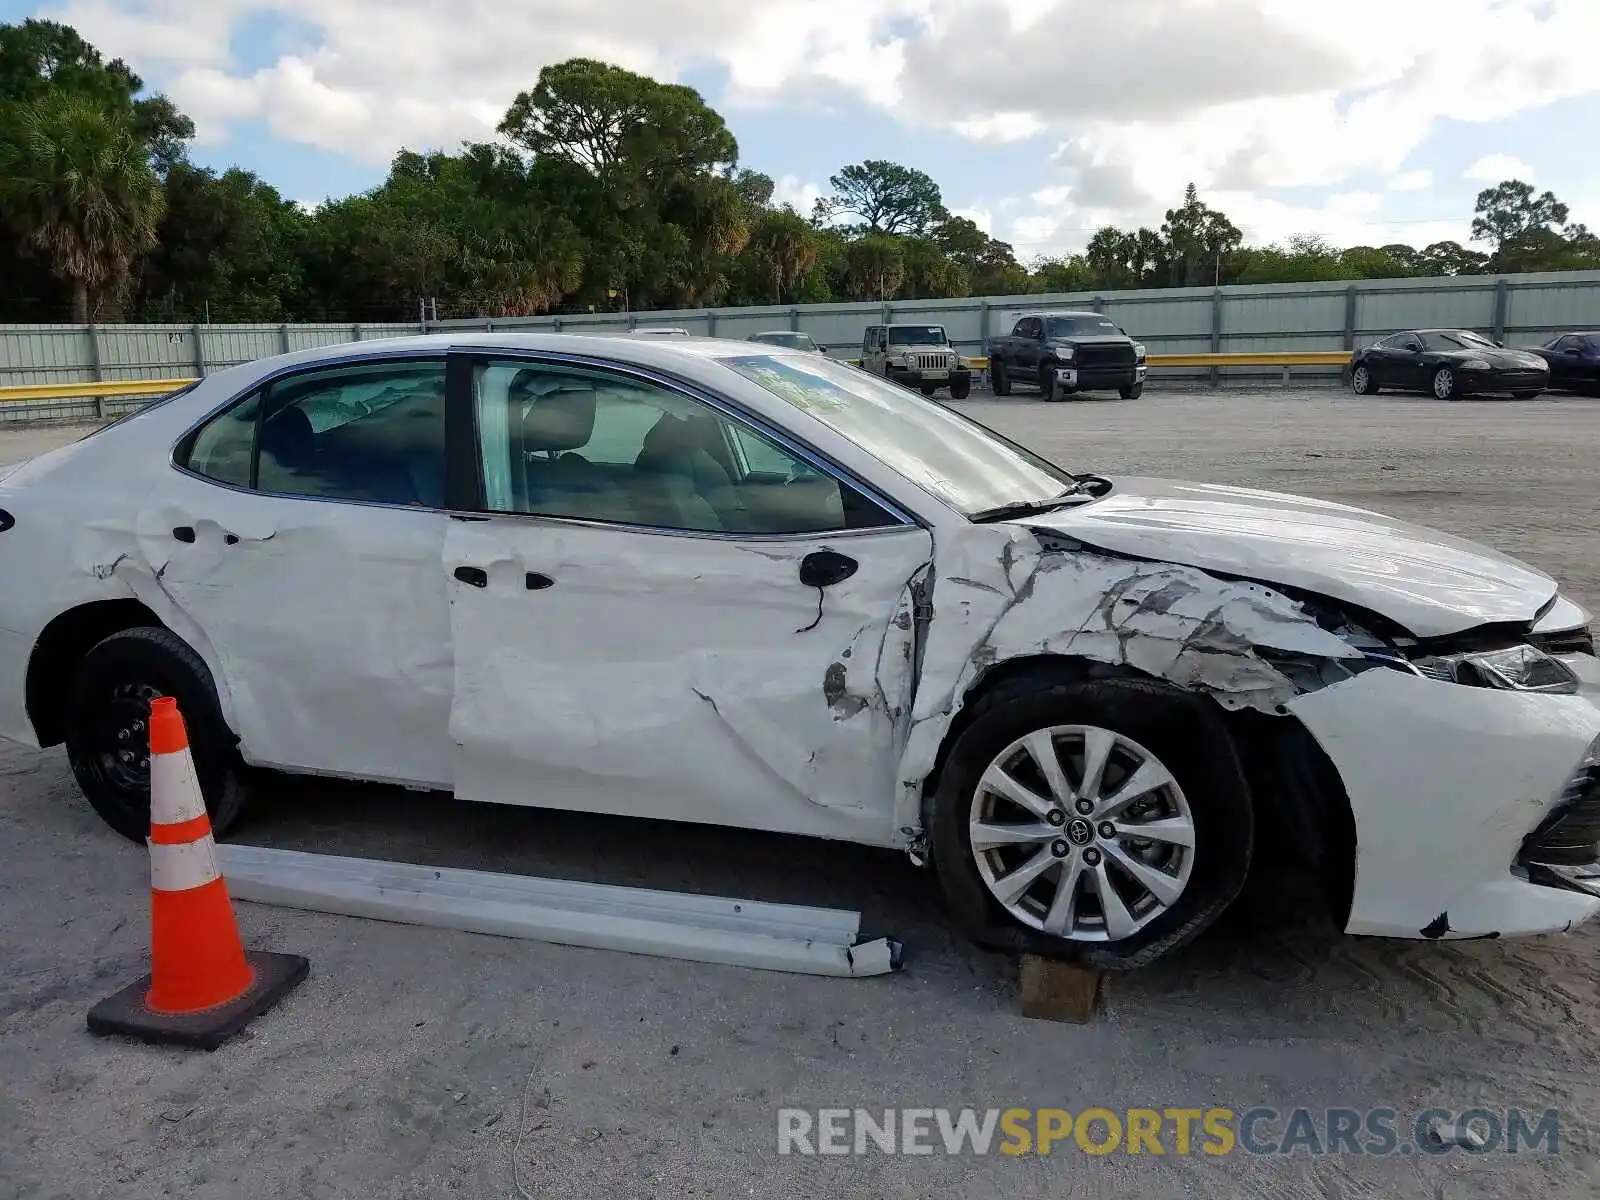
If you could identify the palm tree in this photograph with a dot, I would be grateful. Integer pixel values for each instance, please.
(76, 183)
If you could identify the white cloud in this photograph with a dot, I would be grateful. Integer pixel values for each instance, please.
(1000, 127)
(801, 196)
(1241, 97)
(1494, 168)
(1058, 223)
(1411, 181)
(374, 76)
(981, 217)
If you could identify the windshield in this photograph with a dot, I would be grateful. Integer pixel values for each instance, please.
(959, 461)
(796, 341)
(1060, 327)
(917, 335)
(1457, 339)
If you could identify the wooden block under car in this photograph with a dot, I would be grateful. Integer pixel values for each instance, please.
(1058, 991)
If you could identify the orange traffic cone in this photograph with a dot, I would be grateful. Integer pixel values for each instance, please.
(203, 986)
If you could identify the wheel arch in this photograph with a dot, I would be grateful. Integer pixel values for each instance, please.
(1043, 669)
(60, 647)
(1294, 790)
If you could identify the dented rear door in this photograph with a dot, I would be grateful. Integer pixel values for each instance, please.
(693, 678)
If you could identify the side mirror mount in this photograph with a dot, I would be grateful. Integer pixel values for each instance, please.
(824, 568)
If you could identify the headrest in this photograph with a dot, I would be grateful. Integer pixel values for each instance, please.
(559, 419)
(288, 436)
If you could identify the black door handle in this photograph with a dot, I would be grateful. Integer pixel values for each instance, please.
(537, 582)
(824, 568)
(184, 533)
(476, 576)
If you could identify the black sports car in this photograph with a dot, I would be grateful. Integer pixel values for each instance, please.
(1574, 360)
(1449, 363)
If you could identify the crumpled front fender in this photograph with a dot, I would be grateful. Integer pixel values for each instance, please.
(1002, 592)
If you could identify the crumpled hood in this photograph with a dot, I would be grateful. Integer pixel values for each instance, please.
(1428, 582)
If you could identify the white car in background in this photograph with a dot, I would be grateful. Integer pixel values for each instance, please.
(720, 582)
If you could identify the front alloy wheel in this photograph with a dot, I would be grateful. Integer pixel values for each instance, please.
(1361, 381)
(1082, 833)
(1444, 384)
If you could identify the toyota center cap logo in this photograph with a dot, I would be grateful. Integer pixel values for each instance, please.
(1080, 832)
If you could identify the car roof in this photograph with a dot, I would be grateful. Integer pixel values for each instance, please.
(1062, 312)
(620, 347)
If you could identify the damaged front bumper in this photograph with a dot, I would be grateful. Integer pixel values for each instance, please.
(1454, 791)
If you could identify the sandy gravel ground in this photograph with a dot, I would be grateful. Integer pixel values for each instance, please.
(419, 1063)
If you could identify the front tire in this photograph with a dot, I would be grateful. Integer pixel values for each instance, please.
(1131, 391)
(1161, 851)
(108, 738)
(1361, 381)
(999, 380)
(1444, 384)
(1049, 389)
(1525, 395)
(961, 389)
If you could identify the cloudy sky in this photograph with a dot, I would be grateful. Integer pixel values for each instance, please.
(1361, 120)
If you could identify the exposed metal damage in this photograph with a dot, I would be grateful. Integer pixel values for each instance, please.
(1013, 593)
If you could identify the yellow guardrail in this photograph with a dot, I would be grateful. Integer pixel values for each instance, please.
(79, 391)
(1296, 358)
(1309, 358)
(160, 387)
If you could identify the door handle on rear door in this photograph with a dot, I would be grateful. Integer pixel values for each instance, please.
(537, 582)
(476, 576)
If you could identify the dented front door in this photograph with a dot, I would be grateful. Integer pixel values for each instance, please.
(689, 678)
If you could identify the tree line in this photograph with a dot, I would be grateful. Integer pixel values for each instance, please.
(606, 190)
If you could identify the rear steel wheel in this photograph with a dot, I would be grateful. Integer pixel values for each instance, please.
(108, 739)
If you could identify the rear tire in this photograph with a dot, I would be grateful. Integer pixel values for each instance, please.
(1172, 729)
(1525, 395)
(108, 719)
(999, 380)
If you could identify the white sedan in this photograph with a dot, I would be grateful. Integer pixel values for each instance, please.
(721, 582)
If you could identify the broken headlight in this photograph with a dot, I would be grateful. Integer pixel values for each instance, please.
(1519, 668)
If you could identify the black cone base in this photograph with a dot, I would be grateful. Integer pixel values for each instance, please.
(125, 1012)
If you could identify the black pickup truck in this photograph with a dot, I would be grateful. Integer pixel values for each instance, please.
(1064, 352)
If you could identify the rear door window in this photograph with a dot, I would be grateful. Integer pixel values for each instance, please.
(371, 431)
